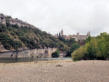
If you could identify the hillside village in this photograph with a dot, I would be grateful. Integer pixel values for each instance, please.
(4, 19)
(77, 37)
(15, 21)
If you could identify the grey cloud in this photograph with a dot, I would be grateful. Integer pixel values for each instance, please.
(53, 15)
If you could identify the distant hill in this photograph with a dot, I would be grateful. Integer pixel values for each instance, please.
(16, 34)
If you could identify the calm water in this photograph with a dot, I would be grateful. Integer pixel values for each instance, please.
(9, 60)
(6, 58)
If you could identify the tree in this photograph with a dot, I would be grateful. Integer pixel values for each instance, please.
(95, 48)
(74, 46)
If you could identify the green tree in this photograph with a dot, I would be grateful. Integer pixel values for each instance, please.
(95, 48)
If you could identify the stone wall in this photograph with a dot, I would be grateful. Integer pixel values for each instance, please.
(34, 53)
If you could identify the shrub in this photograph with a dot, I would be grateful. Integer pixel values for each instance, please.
(95, 48)
(79, 54)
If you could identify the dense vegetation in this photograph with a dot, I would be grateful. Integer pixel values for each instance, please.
(15, 37)
(72, 45)
(95, 48)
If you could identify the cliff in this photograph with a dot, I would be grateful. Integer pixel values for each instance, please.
(17, 34)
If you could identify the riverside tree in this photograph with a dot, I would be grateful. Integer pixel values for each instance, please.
(95, 48)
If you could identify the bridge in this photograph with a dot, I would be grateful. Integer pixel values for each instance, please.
(28, 54)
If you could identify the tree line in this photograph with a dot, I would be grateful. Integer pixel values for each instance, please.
(95, 48)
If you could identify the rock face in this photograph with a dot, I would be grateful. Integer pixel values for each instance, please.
(13, 21)
(17, 34)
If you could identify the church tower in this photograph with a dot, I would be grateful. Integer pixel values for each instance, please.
(62, 33)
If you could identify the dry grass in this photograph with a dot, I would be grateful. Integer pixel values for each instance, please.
(55, 71)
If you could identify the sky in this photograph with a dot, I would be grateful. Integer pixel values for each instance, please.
(72, 16)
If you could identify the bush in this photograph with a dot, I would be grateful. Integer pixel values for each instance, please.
(95, 48)
(8, 42)
(79, 54)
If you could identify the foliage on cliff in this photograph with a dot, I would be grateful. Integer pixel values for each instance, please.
(15, 37)
(95, 48)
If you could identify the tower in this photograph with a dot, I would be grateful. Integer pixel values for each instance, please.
(62, 33)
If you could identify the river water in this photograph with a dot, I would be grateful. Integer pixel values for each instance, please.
(6, 58)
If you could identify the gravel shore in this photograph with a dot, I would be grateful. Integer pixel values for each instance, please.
(55, 71)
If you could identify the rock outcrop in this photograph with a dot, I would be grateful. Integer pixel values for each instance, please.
(13, 21)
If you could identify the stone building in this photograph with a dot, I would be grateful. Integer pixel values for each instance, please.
(2, 19)
(13, 21)
(78, 37)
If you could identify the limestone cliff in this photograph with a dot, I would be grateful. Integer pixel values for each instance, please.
(17, 34)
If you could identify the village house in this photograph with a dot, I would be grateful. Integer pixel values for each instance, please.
(77, 37)
(13, 21)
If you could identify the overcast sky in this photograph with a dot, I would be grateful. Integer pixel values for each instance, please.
(53, 15)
